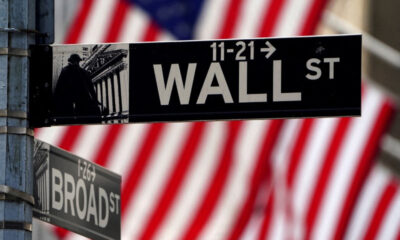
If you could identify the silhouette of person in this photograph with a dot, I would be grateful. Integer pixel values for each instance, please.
(75, 93)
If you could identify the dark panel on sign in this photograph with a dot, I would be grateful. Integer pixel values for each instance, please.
(200, 80)
(76, 194)
(243, 79)
(40, 86)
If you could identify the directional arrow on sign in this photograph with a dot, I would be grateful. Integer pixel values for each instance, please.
(269, 50)
(93, 173)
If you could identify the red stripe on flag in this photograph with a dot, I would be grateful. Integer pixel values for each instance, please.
(151, 33)
(381, 209)
(174, 183)
(272, 13)
(231, 18)
(141, 161)
(298, 150)
(37, 131)
(398, 235)
(120, 13)
(261, 169)
(363, 167)
(325, 173)
(108, 144)
(217, 183)
(312, 18)
(70, 137)
(61, 232)
(268, 213)
(75, 29)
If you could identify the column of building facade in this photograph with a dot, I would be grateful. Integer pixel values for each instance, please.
(42, 181)
(109, 92)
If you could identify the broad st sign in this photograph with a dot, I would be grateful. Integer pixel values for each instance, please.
(76, 194)
(197, 80)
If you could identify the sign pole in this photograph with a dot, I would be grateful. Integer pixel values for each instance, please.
(17, 32)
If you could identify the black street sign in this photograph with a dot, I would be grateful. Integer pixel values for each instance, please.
(76, 194)
(196, 80)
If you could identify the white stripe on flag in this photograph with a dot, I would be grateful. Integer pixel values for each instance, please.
(87, 144)
(391, 222)
(285, 141)
(126, 147)
(368, 199)
(210, 21)
(251, 232)
(74, 236)
(348, 159)
(65, 11)
(157, 172)
(165, 36)
(308, 171)
(51, 135)
(292, 17)
(245, 155)
(196, 182)
(134, 26)
(251, 18)
(98, 20)
(277, 229)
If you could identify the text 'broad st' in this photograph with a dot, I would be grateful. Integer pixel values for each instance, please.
(76, 194)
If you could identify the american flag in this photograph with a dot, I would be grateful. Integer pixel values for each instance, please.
(271, 179)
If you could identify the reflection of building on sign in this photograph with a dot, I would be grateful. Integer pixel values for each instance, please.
(74, 93)
(41, 185)
(105, 66)
(93, 85)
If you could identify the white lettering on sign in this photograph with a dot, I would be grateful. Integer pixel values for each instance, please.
(243, 51)
(174, 76)
(278, 95)
(81, 188)
(184, 90)
(57, 195)
(69, 194)
(103, 201)
(331, 62)
(316, 72)
(215, 72)
(92, 207)
(88, 171)
(245, 97)
(92, 204)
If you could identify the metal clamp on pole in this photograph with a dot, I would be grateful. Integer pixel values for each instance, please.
(16, 225)
(16, 130)
(15, 52)
(13, 114)
(18, 30)
(10, 194)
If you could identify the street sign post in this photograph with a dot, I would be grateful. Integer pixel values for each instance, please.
(196, 80)
(76, 194)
